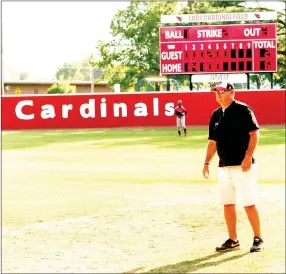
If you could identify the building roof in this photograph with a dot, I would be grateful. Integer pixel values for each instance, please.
(30, 82)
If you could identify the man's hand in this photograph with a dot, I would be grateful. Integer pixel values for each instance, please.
(246, 163)
(206, 171)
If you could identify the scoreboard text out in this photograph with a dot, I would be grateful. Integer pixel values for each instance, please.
(218, 49)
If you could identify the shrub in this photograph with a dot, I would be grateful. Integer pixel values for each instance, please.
(60, 88)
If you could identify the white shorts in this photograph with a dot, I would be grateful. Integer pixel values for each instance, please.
(235, 185)
(181, 122)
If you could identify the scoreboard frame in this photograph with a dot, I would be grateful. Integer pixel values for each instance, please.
(242, 48)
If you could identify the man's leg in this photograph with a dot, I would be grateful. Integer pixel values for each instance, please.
(179, 126)
(227, 194)
(183, 123)
(231, 219)
(246, 186)
(228, 199)
(253, 217)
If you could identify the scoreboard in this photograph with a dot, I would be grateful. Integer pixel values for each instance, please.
(218, 49)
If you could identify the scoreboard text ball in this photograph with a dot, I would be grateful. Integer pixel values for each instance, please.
(218, 49)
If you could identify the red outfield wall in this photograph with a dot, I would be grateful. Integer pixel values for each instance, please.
(128, 109)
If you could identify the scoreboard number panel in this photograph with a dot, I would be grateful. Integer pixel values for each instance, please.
(218, 49)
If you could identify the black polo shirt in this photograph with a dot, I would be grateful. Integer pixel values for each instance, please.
(230, 129)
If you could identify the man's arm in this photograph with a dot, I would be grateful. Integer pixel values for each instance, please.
(176, 112)
(211, 150)
(184, 110)
(253, 141)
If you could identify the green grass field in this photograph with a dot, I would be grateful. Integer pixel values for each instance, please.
(130, 200)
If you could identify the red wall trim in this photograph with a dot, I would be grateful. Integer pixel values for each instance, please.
(129, 109)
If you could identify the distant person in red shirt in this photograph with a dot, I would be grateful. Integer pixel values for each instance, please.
(180, 112)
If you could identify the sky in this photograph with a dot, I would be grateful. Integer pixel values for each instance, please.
(39, 37)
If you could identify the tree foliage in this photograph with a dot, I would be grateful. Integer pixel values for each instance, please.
(213, 7)
(133, 53)
(75, 70)
(281, 51)
(239, 6)
(60, 88)
(24, 76)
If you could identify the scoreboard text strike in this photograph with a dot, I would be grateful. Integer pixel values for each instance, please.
(218, 49)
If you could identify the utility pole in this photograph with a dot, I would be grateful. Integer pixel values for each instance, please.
(91, 80)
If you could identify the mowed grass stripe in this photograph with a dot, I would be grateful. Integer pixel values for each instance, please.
(161, 137)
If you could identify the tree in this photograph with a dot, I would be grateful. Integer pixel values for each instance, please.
(77, 71)
(279, 76)
(133, 52)
(213, 7)
(60, 88)
(281, 51)
(24, 76)
(238, 6)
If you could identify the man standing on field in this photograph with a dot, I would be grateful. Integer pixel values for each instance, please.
(233, 134)
(180, 112)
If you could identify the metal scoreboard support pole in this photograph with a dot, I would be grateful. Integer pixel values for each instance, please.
(91, 80)
(218, 49)
(191, 83)
(271, 80)
(248, 80)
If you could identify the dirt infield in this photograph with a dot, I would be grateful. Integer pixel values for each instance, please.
(149, 228)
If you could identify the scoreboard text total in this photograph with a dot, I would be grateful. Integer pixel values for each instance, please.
(218, 49)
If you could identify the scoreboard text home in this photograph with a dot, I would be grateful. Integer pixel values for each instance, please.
(218, 49)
